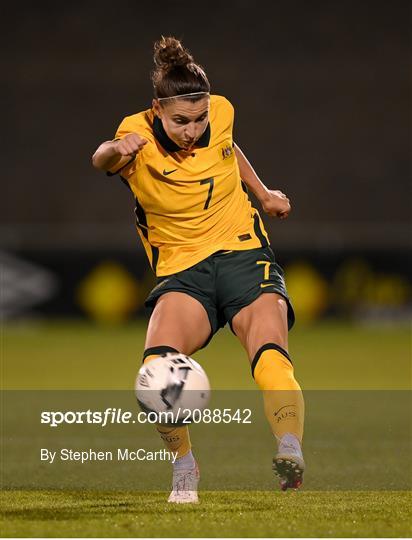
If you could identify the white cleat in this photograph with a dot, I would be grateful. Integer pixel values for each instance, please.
(184, 489)
(289, 466)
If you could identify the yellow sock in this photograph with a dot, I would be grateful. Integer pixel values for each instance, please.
(175, 438)
(282, 396)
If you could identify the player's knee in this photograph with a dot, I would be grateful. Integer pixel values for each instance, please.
(154, 352)
(277, 335)
(275, 355)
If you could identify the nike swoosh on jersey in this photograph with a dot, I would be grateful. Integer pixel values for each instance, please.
(262, 285)
(168, 172)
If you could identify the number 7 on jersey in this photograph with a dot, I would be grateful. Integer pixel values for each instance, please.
(210, 181)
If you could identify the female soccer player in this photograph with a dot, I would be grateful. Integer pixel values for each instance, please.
(208, 248)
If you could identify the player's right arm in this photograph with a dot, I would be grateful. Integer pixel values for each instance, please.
(116, 154)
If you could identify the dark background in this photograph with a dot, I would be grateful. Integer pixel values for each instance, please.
(322, 97)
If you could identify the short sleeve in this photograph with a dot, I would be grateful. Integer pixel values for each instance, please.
(128, 125)
(223, 114)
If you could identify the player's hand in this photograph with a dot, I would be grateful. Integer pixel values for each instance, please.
(130, 144)
(276, 204)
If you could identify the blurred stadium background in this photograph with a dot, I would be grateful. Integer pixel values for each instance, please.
(322, 98)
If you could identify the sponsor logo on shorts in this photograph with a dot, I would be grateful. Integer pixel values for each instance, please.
(160, 284)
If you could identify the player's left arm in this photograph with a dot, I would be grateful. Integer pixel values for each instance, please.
(274, 202)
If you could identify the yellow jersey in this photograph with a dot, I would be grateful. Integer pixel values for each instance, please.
(189, 204)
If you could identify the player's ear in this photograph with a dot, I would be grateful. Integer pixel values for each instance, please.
(157, 108)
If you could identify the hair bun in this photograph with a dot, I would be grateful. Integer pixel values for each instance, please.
(169, 52)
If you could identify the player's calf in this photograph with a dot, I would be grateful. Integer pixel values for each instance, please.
(284, 409)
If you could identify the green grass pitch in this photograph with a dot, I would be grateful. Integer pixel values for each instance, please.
(83, 356)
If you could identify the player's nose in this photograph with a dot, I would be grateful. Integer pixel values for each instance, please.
(190, 131)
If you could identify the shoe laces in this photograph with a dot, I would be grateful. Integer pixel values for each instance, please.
(288, 448)
(185, 480)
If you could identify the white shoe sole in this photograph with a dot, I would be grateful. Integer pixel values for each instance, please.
(177, 499)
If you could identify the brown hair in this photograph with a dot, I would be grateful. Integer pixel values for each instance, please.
(175, 71)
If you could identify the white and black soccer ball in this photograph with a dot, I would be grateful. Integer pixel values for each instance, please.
(172, 383)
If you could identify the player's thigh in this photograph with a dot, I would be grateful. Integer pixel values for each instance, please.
(265, 320)
(179, 321)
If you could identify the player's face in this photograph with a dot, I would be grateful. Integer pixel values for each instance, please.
(184, 121)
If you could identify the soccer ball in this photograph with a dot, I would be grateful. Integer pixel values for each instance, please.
(174, 387)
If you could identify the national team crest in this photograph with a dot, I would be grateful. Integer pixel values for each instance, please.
(226, 150)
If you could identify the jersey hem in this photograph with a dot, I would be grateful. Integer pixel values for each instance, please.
(205, 254)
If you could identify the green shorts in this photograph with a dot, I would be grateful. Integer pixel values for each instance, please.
(226, 282)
